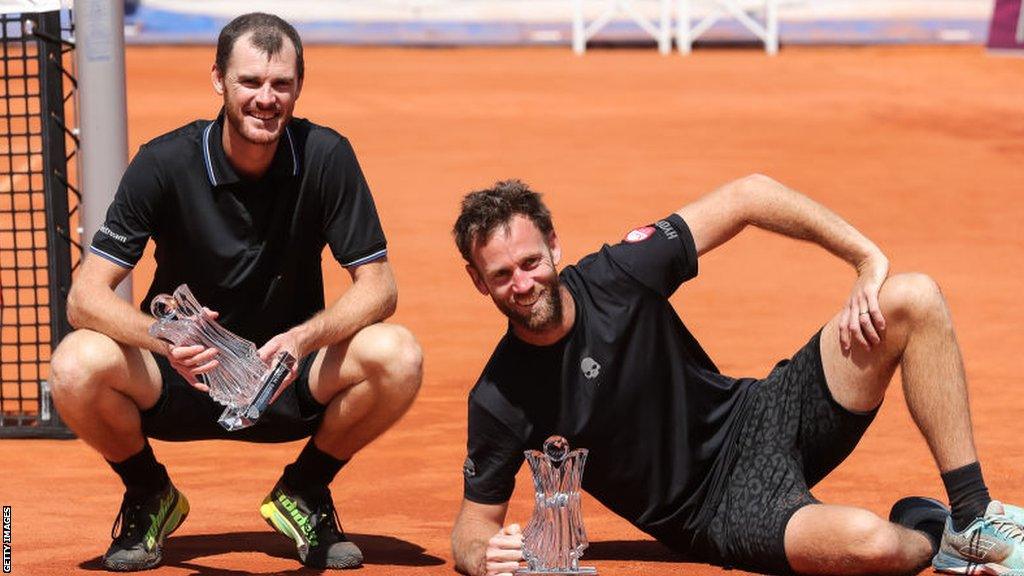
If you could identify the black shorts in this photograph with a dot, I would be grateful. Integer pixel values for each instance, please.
(185, 413)
(793, 434)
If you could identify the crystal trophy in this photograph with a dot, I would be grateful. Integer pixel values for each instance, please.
(241, 381)
(554, 540)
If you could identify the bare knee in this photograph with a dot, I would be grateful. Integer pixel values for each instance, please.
(873, 542)
(81, 361)
(913, 298)
(834, 540)
(391, 353)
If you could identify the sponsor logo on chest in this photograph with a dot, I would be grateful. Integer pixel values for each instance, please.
(590, 368)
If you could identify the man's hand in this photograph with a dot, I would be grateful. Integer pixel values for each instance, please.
(288, 342)
(191, 361)
(862, 319)
(504, 551)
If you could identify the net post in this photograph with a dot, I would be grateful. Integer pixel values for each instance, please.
(58, 241)
(103, 132)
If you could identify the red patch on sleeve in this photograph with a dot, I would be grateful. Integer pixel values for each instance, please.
(639, 234)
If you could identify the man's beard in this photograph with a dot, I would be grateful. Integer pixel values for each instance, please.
(545, 314)
(261, 138)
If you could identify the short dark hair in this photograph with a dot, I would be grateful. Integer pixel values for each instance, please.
(268, 32)
(484, 211)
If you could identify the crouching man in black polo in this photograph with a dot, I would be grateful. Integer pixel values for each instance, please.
(240, 209)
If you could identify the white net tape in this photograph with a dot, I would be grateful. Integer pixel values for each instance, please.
(25, 6)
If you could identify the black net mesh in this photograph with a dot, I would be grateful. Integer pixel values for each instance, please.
(35, 89)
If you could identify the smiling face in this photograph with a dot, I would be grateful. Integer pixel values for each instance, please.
(516, 267)
(259, 90)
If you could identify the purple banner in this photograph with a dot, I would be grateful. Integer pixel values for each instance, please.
(1007, 29)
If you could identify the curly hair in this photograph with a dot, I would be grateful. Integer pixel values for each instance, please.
(484, 211)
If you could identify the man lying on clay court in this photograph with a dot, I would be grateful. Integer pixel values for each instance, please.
(717, 468)
(240, 209)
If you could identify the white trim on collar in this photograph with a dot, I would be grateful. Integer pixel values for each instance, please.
(295, 157)
(207, 155)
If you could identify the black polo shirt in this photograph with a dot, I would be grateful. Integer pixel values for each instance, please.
(628, 382)
(249, 249)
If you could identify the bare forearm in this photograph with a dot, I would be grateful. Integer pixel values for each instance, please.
(98, 308)
(769, 205)
(469, 546)
(369, 300)
(480, 546)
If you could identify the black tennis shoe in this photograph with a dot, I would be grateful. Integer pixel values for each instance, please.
(312, 522)
(140, 528)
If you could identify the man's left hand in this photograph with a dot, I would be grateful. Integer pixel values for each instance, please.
(287, 342)
(862, 319)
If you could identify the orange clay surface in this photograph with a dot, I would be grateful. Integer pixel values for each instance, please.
(921, 148)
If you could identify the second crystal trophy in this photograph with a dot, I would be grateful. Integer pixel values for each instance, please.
(241, 381)
(554, 540)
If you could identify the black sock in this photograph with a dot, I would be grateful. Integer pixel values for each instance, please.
(141, 473)
(968, 495)
(312, 470)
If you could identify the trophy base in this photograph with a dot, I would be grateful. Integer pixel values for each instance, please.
(238, 417)
(232, 420)
(578, 571)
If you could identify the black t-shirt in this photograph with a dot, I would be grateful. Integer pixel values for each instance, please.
(628, 382)
(249, 249)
